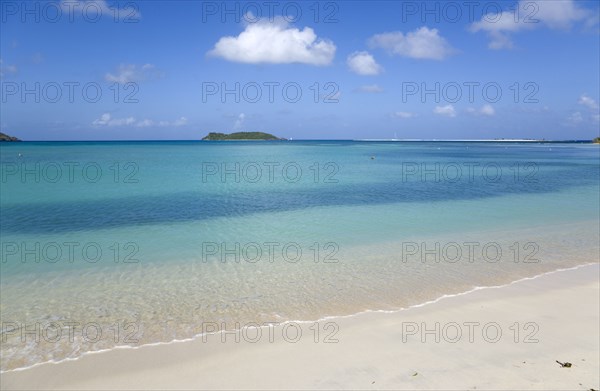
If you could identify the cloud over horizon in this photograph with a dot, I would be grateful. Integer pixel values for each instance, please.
(107, 119)
(403, 114)
(447, 111)
(486, 110)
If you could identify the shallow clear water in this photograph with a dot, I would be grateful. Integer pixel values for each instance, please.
(156, 239)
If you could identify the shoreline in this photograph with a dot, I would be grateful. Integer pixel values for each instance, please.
(321, 319)
(23, 377)
(72, 352)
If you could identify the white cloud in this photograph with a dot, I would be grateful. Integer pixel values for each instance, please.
(499, 40)
(447, 110)
(403, 114)
(588, 102)
(106, 119)
(363, 63)
(275, 42)
(559, 13)
(422, 43)
(239, 122)
(129, 73)
(487, 110)
(575, 118)
(7, 69)
(148, 122)
(528, 15)
(180, 122)
(372, 89)
(96, 9)
(145, 123)
(592, 116)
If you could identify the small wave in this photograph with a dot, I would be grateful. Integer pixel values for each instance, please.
(324, 318)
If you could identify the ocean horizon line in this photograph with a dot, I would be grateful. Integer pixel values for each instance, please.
(310, 139)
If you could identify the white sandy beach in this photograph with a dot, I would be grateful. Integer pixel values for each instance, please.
(548, 318)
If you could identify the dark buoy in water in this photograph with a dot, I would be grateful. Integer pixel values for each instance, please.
(372, 157)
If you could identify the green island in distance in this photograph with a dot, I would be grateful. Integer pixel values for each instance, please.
(596, 140)
(6, 137)
(213, 136)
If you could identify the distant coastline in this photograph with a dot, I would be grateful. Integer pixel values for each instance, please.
(504, 140)
(6, 137)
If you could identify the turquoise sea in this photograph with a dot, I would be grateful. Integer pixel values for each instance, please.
(108, 244)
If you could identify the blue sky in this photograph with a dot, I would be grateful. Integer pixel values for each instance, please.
(104, 70)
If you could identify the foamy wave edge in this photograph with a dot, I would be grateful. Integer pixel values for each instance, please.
(194, 337)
